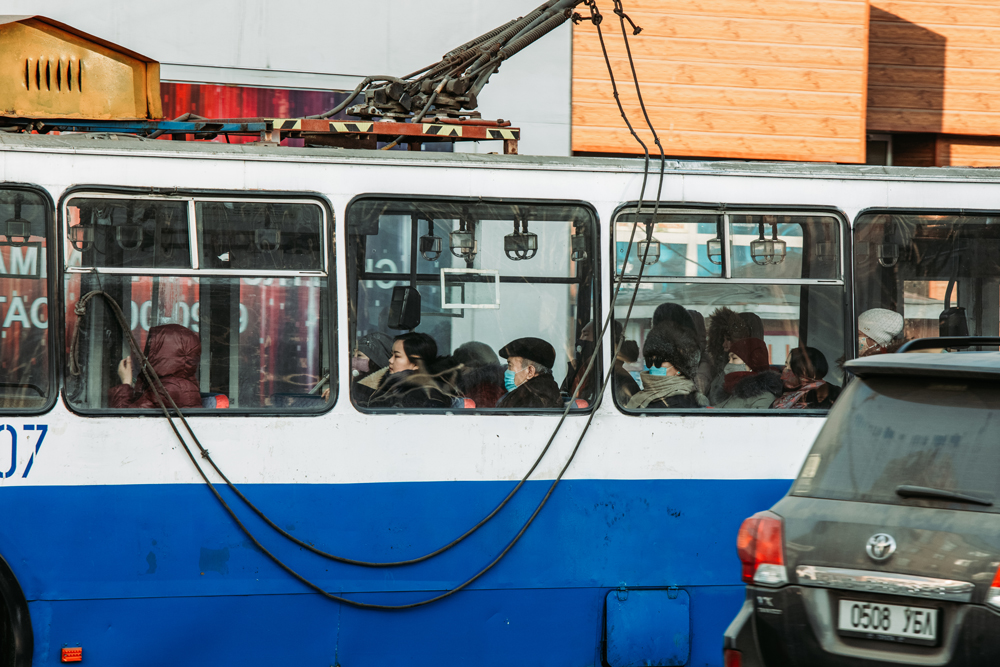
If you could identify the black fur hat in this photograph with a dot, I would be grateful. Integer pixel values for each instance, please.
(534, 349)
(677, 345)
(724, 324)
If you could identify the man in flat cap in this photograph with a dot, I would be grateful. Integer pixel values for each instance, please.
(528, 378)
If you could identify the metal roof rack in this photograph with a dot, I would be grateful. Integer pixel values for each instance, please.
(357, 134)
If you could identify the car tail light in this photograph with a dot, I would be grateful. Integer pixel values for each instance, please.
(759, 546)
(732, 658)
(993, 596)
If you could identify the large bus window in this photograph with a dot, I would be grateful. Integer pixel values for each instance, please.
(925, 276)
(492, 301)
(217, 340)
(24, 337)
(735, 311)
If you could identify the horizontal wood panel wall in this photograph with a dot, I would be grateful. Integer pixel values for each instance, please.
(935, 67)
(749, 79)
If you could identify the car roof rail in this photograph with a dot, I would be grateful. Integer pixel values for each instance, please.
(947, 342)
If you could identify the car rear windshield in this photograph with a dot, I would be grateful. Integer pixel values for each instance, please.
(890, 440)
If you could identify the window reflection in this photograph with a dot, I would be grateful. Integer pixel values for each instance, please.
(24, 303)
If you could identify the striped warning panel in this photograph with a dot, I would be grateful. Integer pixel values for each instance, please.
(286, 123)
(502, 134)
(443, 130)
(351, 127)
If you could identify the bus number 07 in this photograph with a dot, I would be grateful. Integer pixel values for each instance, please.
(8, 431)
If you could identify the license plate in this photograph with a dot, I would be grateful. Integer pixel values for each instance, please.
(888, 622)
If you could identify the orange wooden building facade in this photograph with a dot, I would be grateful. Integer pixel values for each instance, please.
(888, 81)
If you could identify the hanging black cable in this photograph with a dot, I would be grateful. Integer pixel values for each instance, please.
(154, 381)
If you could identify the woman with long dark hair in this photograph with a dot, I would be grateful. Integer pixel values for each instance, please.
(417, 377)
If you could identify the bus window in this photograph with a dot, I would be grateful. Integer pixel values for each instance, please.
(484, 289)
(251, 337)
(735, 311)
(250, 235)
(127, 233)
(24, 348)
(921, 275)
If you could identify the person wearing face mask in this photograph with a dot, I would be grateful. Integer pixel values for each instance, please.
(749, 382)
(672, 355)
(724, 327)
(805, 387)
(675, 315)
(528, 378)
(416, 376)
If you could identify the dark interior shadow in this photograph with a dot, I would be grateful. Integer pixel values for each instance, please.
(906, 67)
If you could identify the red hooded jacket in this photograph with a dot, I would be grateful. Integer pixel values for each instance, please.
(174, 352)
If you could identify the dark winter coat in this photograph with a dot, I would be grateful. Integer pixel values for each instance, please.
(174, 352)
(410, 389)
(753, 391)
(361, 391)
(625, 385)
(540, 391)
(483, 384)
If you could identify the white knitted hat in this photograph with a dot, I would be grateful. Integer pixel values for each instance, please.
(880, 325)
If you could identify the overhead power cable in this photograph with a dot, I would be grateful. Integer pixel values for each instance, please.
(160, 392)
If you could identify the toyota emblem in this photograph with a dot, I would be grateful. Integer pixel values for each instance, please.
(880, 546)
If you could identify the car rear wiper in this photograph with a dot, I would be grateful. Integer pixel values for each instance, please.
(910, 491)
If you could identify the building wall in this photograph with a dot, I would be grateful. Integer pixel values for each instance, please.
(774, 79)
(303, 44)
(933, 71)
(934, 67)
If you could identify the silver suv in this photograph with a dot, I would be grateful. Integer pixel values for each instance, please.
(886, 549)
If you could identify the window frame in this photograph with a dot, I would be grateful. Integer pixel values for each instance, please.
(596, 296)
(725, 210)
(194, 195)
(54, 296)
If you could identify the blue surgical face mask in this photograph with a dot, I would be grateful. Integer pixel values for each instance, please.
(508, 380)
(662, 372)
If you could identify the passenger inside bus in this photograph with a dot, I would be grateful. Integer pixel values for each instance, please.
(879, 332)
(672, 355)
(704, 379)
(625, 386)
(751, 383)
(416, 377)
(369, 363)
(674, 315)
(528, 378)
(803, 381)
(174, 353)
(724, 328)
(576, 375)
(481, 378)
